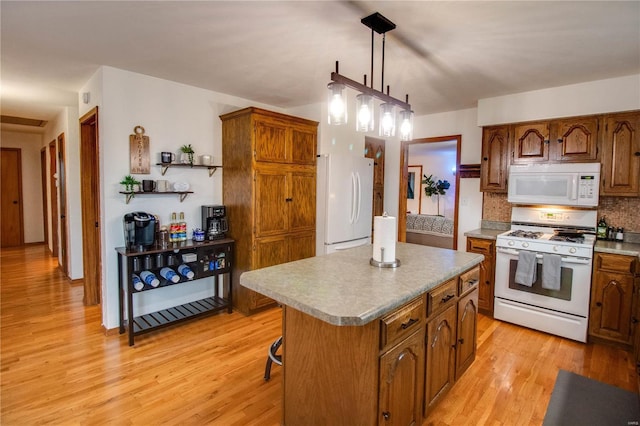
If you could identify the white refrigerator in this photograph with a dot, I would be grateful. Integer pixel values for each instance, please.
(344, 202)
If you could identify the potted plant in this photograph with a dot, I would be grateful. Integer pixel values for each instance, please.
(129, 181)
(431, 187)
(186, 149)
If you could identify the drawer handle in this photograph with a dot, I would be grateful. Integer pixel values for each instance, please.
(471, 283)
(386, 415)
(409, 323)
(447, 298)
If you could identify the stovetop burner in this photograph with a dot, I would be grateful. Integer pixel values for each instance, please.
(568, 239)
(521, 233)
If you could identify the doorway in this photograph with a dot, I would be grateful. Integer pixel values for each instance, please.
(11, 219)
(43, 175)
(438, 209)
(90, 194)
(53, 196)
(62, 189)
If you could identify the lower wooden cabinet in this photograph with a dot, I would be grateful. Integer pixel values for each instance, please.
(401, 372)
(612, 299)
(467, 332)
(441, 357)
(487, 272)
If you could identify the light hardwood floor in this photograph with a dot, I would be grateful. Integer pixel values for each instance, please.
(58, 367)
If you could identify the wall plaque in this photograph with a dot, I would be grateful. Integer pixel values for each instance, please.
(139, 150)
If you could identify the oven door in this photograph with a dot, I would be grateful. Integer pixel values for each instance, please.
(575, 284)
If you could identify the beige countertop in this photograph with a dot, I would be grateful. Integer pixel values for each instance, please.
(484, 233)
(629, 249)
(344, 289)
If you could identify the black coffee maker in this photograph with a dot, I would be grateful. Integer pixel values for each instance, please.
(139, 230)
(214, 222)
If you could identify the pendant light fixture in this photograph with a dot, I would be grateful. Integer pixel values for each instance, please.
(364, 101)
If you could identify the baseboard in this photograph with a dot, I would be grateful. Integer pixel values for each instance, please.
(110, 331)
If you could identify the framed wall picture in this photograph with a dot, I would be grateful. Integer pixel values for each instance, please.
(414, 189)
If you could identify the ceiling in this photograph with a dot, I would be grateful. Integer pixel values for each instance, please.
(445, 54)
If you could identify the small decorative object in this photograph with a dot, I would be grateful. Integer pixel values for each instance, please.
(186, 149)
(432, 187)
(139, 150)
(128, 182)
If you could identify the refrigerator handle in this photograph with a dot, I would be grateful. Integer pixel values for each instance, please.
(353, 195)
(359, 196)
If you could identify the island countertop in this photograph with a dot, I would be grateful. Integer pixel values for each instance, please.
(344, 289)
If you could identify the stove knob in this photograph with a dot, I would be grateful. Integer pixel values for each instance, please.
(510, 243)
(572, 250)
(555, 248)
(525, 244)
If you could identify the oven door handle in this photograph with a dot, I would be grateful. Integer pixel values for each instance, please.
(576, 260)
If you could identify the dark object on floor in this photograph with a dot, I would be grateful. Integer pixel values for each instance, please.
(578, 400)
(273, 358)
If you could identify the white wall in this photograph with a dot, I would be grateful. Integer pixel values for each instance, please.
(595, 97)
(172, 114)
(30, 145)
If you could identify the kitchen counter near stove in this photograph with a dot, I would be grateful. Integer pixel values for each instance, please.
(488, 230)
(614, 247)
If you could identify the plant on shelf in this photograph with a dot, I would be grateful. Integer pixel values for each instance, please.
(129, 181)
(186, 149)
(431, 187)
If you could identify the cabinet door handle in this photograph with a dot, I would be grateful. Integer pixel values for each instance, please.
(386, 415)
(461, 341)
(288, 200)
(634, 320)
(598, 304)
(637, 154)
(409, 323)
(487, 282)
(486, 159)
(559, 140)
(447, 298)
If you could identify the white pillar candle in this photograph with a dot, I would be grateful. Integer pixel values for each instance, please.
(385, 235)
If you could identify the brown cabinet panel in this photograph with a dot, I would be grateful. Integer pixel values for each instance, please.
(612, 298)
(621, 155)
(401, 372)
(302, 246)
(487, 272)
(530, 143)
(574, 139)
(441, 357)
(303, 145)
(271, 203)
(402, 322)
(302, 207)
(493, 169)
(467, 332)
(271, 141)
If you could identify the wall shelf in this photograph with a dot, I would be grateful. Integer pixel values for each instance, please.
(130, 195)
(165, 166)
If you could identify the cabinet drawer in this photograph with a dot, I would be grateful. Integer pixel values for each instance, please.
(616, 262)
(402, 322)
(442, 296)
(469, 280)
(478, 245)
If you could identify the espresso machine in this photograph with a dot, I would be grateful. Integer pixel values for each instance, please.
(139, 231)
(214, 222)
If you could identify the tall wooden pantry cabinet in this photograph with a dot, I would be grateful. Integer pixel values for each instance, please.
(269, 190)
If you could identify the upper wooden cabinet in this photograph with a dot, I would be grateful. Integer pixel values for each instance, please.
(566, 140)
(269, 190)
(620, 174)
(574, 139)
(530, 143)
(493, 169)
(283, 141)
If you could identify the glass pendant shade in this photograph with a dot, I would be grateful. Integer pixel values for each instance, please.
(387, 126)
(364, 108)
(406, 125)
(337, 104)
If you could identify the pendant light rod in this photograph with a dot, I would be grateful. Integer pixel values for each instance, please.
(363, 88)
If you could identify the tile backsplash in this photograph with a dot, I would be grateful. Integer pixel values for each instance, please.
(619, 211)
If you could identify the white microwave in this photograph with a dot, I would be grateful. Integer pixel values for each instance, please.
(571, 184)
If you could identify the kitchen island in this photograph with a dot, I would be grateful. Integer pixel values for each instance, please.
(355, 335)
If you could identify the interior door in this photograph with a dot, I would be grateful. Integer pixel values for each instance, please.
(43, 174)
(53, 196)
(90, 193)
(62, 189)
(12, 225)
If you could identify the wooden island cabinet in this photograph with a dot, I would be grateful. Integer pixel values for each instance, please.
(347, 359)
